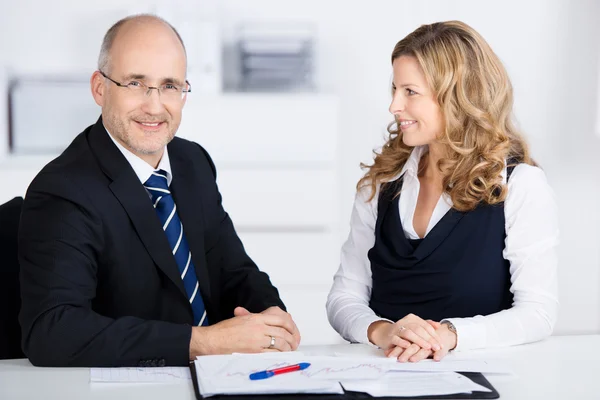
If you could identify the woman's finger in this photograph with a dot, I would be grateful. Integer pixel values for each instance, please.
(409, 352)
(435, 343)
(409, 335)
(438, 355)
(395, 352)
(420, 355)
(433, 323)
(433, 332)
(411, 321)
(398, 341)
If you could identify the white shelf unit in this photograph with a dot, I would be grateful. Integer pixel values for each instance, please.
(278, 172)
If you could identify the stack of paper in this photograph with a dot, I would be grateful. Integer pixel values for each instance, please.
(451, 365)
(410, 384)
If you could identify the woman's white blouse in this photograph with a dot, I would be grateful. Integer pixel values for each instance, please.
(531, 224)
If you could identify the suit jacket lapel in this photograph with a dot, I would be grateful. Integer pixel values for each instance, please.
(128, 189)
(188, 197)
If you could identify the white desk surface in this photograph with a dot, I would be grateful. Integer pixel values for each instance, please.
(561, 367)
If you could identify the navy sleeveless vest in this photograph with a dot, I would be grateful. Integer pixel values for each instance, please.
(457, 270)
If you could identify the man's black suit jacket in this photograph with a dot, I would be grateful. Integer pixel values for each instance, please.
(99, 284)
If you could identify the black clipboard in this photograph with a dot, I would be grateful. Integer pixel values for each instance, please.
(476, 377)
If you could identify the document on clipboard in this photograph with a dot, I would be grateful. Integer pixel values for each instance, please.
(347, 377)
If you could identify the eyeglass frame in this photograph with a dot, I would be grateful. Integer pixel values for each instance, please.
(149, 88)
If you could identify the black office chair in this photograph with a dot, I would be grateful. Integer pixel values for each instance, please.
(10, 292)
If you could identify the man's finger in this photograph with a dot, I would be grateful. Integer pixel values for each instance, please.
(275, 310)
(240, 312)
(284, 340)
(285, 315)
(296, 330)
(279, 321)
(280, 344)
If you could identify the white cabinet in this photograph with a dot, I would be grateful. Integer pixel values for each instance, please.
(289, 198)
(254, 130)
(277, 169)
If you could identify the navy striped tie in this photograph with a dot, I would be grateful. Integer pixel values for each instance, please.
(167, 213)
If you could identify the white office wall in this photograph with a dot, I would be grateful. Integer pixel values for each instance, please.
(550, 48)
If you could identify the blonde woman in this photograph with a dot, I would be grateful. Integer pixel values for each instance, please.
(454, 227)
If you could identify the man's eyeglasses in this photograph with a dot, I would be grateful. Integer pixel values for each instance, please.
(169, 92)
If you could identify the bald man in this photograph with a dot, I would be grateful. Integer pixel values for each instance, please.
(127, 256)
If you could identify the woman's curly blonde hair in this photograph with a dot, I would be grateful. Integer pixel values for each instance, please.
(475, 96)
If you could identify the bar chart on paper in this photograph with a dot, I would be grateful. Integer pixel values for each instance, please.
(140, 375)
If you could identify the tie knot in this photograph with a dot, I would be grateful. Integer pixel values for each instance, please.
(157, 184)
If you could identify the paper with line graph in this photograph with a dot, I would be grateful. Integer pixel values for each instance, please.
(140, 375)
(230, 374)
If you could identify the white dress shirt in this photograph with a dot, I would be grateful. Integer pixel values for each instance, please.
(142, 169)
(531, 225)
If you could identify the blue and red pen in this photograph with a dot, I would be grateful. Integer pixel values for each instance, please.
(272, 372)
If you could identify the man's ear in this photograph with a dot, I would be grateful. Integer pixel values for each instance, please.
(97, 84)
(184, 100)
